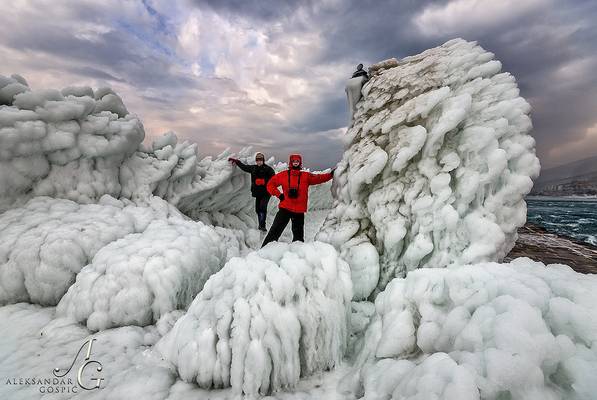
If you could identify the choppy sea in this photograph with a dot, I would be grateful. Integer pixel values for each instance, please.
(570, 216)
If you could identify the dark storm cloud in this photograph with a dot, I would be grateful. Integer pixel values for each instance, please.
(109, 51)
(264, 10)
(550, 47)
(331, 113)
(533, 46)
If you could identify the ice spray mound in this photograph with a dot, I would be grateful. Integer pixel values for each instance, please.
(67, 144)
(46, 242)
(138, 279)
(80, 144)
(488, 331)
(208, 190)
(119, 246)
(265, 320)
(436, 168)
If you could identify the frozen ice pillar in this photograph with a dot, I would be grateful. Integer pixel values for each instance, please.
(436, 166)
(265, 320)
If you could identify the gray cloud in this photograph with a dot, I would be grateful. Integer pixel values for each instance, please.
(533, 44)
(271, 73)
(94, 73)
(264, 10)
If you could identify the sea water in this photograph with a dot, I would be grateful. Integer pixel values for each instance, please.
(571, 216)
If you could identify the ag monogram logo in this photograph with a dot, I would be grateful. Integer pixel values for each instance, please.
(88, 361)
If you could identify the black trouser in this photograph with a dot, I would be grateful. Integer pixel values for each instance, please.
(280, 222)
(261, 209)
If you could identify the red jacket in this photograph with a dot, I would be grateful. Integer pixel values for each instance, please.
(299, 204)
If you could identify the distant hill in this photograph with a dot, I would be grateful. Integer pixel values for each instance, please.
(575, 178)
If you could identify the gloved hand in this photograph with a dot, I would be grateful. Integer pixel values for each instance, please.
(281, 197)
(232, 160)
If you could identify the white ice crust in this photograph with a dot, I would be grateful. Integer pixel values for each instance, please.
(485, 331)
(265, 320)
(436, 167)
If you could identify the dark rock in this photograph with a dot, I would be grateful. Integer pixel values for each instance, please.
(539, 244)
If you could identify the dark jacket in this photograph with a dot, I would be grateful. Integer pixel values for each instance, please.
(260, 176)
(361, 73)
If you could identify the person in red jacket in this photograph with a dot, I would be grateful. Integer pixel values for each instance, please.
(293, 198)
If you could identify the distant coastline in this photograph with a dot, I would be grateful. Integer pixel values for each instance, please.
(563, 198)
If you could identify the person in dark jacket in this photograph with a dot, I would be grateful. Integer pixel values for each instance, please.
(261, 173)
(361, 72)
(294, 198)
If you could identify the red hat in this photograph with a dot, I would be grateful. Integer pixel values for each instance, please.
(295, 157)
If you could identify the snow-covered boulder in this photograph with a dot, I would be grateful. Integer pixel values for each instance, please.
(436, 167)
(487, 331)
(143, 276)
(45, 243)
(153, 250)
(265, 320)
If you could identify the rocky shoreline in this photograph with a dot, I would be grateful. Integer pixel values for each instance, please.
(539, 244)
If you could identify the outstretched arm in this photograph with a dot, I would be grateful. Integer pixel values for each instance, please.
(316, 179)
(244, 167)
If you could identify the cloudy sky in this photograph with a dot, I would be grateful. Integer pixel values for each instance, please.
(232, 73)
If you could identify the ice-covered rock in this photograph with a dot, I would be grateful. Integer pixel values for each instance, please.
(78, 144)
(209, 190)
(45, 243)
(143, 276)
(489, 331)
(265, 320)
(436, 167)
(66, 145)
(153, 251)
(380, 66)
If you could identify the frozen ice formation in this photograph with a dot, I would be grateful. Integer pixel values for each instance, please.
(80, 144)
(207, 190)
(436, 167)
(132, 263)
(82, 193)
(157, 242)
(143, 276)
(265, 320)
(33, 342)
(48, 241)
(67, 144)
(489, 331)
